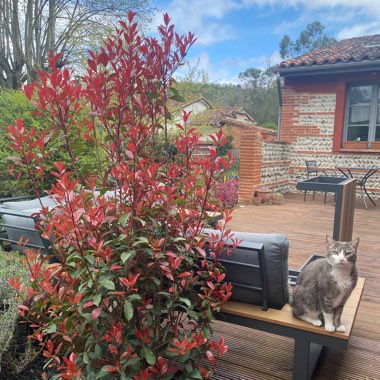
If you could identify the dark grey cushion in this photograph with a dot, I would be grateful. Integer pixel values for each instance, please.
(46, 201)
(276, 248)
(15, 234)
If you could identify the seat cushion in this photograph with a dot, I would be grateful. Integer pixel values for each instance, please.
(46, 201)
(14, 233)
(276, 250)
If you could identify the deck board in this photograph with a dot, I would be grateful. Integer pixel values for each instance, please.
(265, 356)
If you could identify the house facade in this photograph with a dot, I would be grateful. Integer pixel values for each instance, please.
(331, 108)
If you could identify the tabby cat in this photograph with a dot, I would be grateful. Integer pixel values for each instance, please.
(324, 285)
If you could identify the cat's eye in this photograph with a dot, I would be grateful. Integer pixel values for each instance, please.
(347, 254)
(335, 252)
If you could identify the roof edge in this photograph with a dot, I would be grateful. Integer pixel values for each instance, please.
(332, 68)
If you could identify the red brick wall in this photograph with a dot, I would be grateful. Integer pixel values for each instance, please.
(250, 164)
(312, 123)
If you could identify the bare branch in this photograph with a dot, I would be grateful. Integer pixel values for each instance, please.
(29, 29)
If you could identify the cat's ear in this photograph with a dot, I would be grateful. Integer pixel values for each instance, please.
(329, 240)
(355, 243)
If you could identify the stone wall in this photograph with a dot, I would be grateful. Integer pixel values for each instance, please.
(262, 164)
(275, 166)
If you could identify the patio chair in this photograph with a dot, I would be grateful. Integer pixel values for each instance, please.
(312, 170)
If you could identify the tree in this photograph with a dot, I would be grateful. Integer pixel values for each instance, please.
(260, 94)
(314, 37)
(30, 29)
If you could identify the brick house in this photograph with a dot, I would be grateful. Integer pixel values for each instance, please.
(233, 121)
(330, 112)
(331, 107)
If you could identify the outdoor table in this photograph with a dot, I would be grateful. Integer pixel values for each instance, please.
(365, 174)
(345, 190)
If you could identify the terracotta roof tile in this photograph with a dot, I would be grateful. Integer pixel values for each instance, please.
(216, 117)
(356, 49)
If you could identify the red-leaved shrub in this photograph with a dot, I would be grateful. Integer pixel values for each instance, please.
(133, 295)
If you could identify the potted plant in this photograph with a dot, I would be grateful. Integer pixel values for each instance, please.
(278, 199)
(265, 194)
(257, 201)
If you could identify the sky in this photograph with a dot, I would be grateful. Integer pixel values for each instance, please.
(234, 35)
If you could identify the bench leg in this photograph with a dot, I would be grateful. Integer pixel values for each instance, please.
(306, 355)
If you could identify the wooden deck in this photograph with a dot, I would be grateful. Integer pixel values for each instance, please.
(256, 355)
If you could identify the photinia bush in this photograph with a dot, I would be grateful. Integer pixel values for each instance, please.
(133, 294)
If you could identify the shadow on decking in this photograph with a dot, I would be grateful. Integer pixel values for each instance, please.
(257, 355)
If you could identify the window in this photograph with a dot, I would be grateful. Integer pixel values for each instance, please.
(362, 115)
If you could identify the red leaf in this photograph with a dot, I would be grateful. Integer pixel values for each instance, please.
(88, 304)
(96, 312)
(92, 65)
(28, 91)
(166, 19)
(77, 298)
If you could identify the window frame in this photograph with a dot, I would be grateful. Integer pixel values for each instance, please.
(371, 143)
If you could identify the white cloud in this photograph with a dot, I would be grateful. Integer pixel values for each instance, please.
(360, 30)
(203, 62)
(207, 18)
(204, 18)
(369, 6)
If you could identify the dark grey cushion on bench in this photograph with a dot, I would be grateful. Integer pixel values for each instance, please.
(276, 248)
(46, 201)
(27, 207)
(14, 233)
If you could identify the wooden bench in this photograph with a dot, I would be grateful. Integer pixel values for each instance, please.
(309, 339)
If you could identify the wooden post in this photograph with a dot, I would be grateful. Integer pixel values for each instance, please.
(345, 210)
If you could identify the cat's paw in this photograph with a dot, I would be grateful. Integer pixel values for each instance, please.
(316, 322)
(341, 328)
(330, 328)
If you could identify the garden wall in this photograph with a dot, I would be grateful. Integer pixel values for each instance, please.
(262, 164)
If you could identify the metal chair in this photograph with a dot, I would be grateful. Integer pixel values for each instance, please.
(312, 170)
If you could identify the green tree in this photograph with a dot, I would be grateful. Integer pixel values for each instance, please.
(260, 94)
(313, 37)
(196, 83)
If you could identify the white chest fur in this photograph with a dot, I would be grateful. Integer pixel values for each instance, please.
(342, 277)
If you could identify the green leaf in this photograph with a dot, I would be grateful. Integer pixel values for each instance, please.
(132, 361)
(128, 310)
(96, 299)
(78, 272)
(186, 301)
(195, 374)
(179, 239)
(125, 256)
(51, 329)
(90, 259)
(108, 284)
(141, 240)
(133, 297)
(124, 219)
(98, 350)
(149, 355)
(102, 373)
(86, 359)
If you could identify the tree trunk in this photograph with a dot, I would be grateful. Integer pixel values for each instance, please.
(18, 55)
